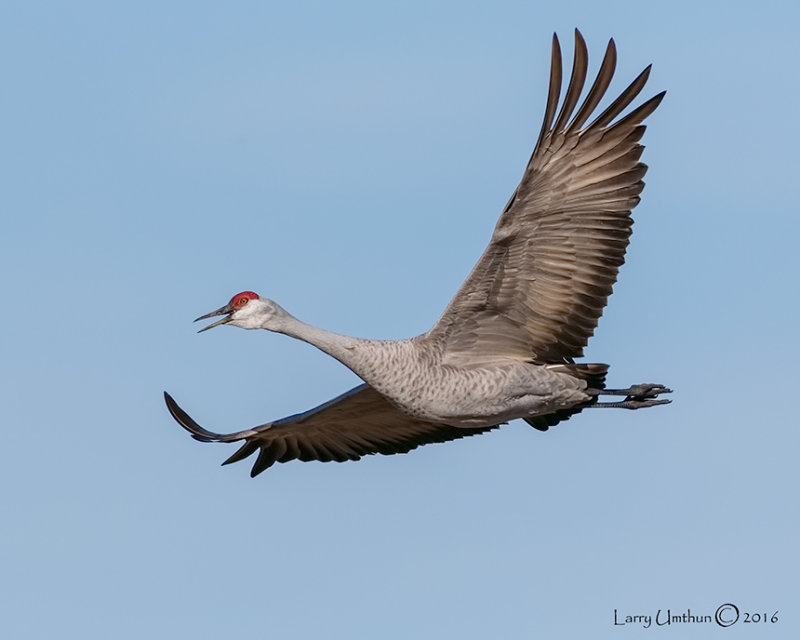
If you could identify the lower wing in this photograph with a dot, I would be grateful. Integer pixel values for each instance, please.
(357, 423)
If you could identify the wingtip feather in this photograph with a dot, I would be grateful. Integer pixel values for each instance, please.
(197, 432)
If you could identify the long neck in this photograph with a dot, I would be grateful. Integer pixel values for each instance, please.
(374, 361)
(343, 348)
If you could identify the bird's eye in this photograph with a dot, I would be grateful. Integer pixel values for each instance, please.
(242, 302)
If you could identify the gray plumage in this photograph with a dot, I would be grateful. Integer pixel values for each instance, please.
(504, 347)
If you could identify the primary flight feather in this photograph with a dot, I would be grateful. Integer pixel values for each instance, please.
(504, 348)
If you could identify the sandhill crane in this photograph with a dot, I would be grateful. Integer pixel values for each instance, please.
(504, 347)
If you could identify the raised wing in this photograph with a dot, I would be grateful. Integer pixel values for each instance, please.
(540, 287)
(357, 423)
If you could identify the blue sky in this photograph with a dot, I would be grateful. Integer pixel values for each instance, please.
(349, 160)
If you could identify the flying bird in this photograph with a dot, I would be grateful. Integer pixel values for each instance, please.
(505, 346)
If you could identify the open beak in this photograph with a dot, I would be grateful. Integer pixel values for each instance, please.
(222, 311)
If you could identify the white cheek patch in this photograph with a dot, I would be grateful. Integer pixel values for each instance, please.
(250, 316)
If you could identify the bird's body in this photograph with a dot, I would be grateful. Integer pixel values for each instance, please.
(505, 346)
(482, 396)
(413, 376)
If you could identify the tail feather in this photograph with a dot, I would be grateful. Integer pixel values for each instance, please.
(594, 373)
(595, 376)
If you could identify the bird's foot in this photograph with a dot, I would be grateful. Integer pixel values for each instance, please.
(642, 391)
(637, 396)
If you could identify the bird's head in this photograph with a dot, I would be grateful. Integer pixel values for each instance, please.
(246, 310)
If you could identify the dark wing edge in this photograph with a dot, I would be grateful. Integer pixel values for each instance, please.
(357, 423)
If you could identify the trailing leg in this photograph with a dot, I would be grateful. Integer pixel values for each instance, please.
(631, 403)
(635, 392)
(637, 396)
